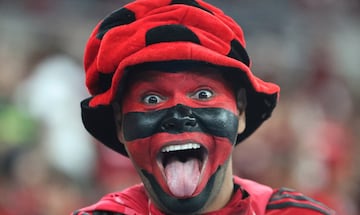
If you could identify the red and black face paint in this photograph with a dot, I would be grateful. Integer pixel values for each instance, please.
(181, 135)
(217, 122)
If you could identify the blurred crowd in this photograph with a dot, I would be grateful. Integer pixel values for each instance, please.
(50, 165)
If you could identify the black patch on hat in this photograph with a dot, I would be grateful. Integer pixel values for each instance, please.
(238, 52)
(170, 33)
(119, 17)
(190, 3)
(104, 82)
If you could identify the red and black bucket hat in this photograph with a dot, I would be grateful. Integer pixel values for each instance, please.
(153, 32)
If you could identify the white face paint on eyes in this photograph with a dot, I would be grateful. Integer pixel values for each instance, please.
(152, 99)
(203, 94)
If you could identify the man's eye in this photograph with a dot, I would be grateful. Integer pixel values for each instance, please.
(152, 99)
(203, 94)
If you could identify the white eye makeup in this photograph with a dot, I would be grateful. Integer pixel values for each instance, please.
(152, 99)
(203, 94)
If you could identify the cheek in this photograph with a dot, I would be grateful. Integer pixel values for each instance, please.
(221, 151)
(140, 153)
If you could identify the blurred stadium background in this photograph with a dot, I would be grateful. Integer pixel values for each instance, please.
(50, 165)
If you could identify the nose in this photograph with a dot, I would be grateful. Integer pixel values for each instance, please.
(179, 119)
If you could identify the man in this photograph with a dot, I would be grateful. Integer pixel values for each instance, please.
(172, 89)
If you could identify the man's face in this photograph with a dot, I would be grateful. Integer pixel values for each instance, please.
(179, 130)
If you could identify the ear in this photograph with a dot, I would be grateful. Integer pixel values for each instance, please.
(241, 105)
(118, 121)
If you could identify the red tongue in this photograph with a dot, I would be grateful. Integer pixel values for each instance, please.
(182, 177)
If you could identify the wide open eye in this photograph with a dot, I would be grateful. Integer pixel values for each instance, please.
(152, 99)
(203, 94)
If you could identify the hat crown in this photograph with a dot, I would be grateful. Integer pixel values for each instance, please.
(144, 23)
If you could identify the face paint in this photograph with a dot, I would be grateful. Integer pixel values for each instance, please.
(179, 129)
(179, 119)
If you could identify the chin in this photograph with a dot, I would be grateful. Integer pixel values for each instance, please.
(199, 203)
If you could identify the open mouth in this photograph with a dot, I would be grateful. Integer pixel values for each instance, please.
(182, 167)
(182, 153)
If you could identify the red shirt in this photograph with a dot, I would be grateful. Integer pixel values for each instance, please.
(250, 198)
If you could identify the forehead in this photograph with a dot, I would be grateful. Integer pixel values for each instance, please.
(153, 76)
(177, 88)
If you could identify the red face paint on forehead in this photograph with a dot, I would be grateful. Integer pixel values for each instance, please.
(179, 88)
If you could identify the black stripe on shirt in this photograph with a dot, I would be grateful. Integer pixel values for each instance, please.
(283, 205)
(285, 198)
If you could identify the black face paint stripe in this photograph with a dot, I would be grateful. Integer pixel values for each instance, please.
(182, 206)
(213, 121)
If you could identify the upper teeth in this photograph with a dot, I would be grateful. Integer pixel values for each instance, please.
(187, 146)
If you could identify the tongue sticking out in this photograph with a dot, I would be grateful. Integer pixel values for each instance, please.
(182, 177)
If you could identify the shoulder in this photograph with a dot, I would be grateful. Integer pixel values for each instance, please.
(132, 200)
(284, 201)
(287, 201)
(257, 194)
